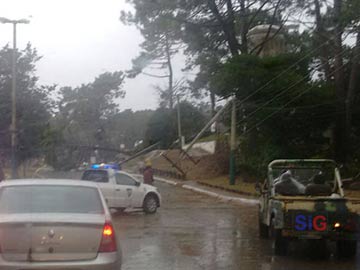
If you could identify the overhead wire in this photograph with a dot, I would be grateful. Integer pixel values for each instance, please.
(282, 107)
(286, 70)
(240, 102)
(292, 108)
(282, 92)
(277, 76)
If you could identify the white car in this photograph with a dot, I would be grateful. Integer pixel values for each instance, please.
(121, 190)
(56, 224)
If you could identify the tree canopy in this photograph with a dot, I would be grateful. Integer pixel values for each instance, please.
(82, 118)
(317, 67)
(34, 104)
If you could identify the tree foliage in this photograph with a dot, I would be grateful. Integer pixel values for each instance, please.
(209, 31)
(215, 36)
(340, 63)
(82, 119)
(159, 47)
(34, 104)
(162, 126)
(128, 127)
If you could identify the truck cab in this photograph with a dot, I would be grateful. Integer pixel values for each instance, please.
(304, 199)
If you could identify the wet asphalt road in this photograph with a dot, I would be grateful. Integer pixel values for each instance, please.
(192, 231)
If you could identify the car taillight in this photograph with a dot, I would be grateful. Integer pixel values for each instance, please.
(108, 242)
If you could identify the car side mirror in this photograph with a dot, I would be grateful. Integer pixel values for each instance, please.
(137, 183)
(258, 188)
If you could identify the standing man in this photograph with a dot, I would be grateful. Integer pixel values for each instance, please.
(148, 173)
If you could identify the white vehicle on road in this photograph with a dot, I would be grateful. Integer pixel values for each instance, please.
(121, 190)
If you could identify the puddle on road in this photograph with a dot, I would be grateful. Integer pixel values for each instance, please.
(189, 250)
(193, 232)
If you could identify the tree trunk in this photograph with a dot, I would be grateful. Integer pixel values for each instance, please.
(353, 86)
(212, 100)
(171, 73)
(341, 136)
(227, 25)
(244, 27)
(321, 37)
(267, 37)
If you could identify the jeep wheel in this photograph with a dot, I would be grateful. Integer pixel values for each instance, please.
(346, 248)
(263, 230)
(280, 243)
(150, 204)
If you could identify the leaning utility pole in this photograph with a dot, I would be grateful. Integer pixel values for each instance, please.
(232, 143)
(205, 128)
(179, 123)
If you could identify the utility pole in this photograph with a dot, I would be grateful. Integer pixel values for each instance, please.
(179, 122)
(232, 143)
(206, 127)
(13, 128)
(13, 108)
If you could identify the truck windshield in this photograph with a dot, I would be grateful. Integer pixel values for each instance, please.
(305, 175)
(303, 180)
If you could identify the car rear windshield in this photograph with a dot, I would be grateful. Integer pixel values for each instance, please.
(50, 199)
(98, 176)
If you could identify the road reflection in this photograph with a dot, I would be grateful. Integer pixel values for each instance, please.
(193, 231)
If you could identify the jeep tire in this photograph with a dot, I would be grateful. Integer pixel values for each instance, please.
(346, 248)
(263, 230)
(280, 243)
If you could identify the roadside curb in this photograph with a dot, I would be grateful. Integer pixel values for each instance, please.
(225, 198)
(170, 182)
(227, 189)
(221, 197)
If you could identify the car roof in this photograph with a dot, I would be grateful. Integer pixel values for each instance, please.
(61, 182)
(108, 170)
(111, 170)
(101, 169)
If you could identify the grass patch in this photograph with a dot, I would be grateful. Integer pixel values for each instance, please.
(212, 137)
(249, 188)
(223, 183)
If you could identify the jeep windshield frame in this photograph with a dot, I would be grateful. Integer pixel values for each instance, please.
(313, 166)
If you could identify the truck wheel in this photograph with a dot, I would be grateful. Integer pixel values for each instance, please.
(263, 230)
(280, 243)
(150, 204)
(346, 248)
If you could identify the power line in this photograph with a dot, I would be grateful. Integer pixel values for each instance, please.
(292, 108)
(282, 107)
(282, 92)
(287, 70)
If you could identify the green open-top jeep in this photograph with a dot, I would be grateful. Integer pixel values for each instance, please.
(304, 199)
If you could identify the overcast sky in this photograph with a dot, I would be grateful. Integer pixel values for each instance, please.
(79, 39)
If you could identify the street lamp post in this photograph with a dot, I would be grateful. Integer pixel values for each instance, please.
(13, 95)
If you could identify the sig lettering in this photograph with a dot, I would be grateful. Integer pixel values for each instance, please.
(309, 223)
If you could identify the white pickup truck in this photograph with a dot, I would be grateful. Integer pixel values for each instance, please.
(121, 190)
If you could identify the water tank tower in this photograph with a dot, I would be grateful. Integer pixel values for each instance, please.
(275, 43)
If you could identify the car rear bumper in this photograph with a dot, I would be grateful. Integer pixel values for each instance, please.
(104, 261)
